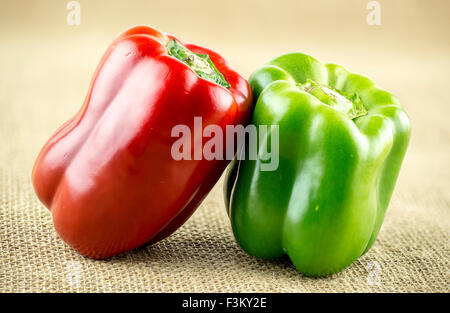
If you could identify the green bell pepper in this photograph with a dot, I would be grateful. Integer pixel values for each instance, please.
(342, 140)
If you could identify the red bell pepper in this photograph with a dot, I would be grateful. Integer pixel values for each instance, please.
(107, 174)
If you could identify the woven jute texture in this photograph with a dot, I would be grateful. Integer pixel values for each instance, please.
(45, 70)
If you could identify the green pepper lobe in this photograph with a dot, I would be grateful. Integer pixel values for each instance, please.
(201, 64)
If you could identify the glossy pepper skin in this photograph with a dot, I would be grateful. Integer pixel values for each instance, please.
(107, 174)
(325, 203)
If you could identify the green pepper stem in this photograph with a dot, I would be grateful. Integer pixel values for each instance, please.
(349, 104)
(201, 64)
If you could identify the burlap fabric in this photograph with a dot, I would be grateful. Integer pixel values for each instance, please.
(45, 68)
